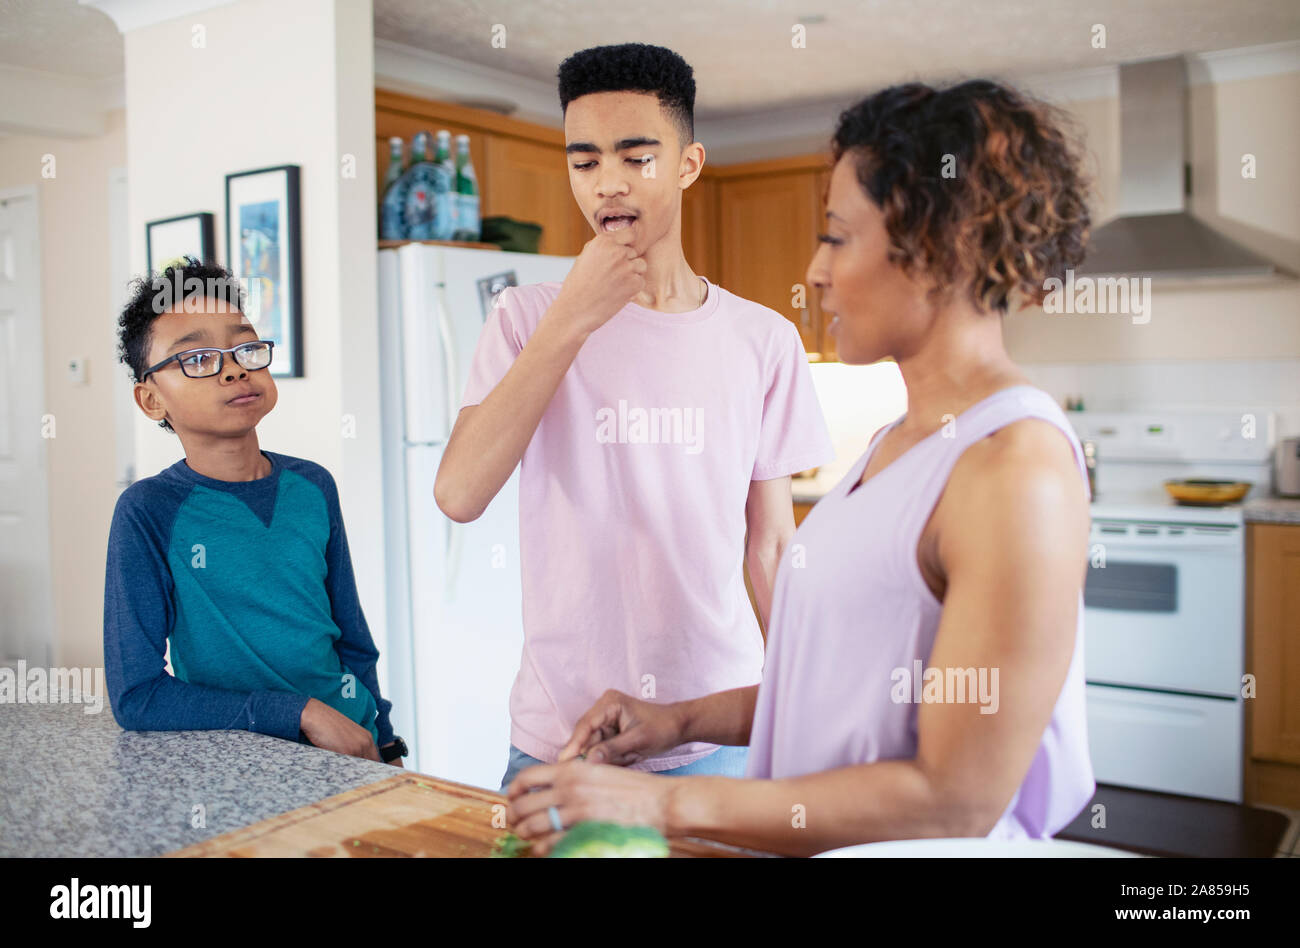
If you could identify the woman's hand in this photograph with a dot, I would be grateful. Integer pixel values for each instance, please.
(582, 791)
(331, 730)
(622, 730)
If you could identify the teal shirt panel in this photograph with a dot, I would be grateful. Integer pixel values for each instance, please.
(252, 610)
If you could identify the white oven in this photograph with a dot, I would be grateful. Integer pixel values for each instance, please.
(1164, 603)
(1166, 741)
(1164, 655)
(1164, 606)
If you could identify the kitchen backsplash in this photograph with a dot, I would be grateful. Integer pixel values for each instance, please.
(1247, 384)
(859, 399)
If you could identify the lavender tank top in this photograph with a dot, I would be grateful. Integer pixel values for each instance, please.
(850, 608)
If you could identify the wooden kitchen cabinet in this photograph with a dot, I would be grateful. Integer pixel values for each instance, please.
(1273, 656)
(529, 180)
(769, 216)
(825, 341)
(700, 226)
(767, 225)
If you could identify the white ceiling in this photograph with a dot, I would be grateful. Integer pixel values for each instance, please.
(60, 36)
(743, 59)
(747, 73)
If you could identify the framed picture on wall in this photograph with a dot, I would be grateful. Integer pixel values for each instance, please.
(263, 251)
(171, 237)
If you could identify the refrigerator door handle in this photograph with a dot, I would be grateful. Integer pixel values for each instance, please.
(454, 533)
(450, 365)
(451, 374)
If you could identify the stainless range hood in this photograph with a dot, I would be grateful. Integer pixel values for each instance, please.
(1155, 236)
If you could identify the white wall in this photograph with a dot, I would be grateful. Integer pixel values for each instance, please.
(1226, 120)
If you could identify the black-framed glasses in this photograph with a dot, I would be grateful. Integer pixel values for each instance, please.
(204, 363)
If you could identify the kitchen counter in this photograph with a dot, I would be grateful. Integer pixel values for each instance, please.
(76, 784)
(1271, 510)
(809, 490)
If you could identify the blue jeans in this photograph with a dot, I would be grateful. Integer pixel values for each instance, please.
(723, 762)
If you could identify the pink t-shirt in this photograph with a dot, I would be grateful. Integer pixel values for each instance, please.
(632, 503)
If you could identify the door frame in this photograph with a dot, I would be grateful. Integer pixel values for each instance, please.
(40, 638)
(119, 275)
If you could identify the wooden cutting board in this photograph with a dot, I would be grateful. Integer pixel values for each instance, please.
(406, 815)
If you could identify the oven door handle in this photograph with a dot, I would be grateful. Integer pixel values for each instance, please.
(1224, 546)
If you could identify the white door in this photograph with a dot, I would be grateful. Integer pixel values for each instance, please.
(26, 601)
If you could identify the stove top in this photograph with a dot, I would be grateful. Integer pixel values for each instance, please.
(1138, 451)
(1159, 507)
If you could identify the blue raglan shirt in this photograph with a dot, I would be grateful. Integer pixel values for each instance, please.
(253, 584)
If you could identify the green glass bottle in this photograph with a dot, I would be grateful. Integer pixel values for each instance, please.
(417, 184)
(444, 198)
(467, 219)
(392, 200)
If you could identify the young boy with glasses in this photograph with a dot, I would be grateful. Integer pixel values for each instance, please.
(234, 555)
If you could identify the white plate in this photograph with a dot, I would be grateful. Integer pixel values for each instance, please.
(978, 848)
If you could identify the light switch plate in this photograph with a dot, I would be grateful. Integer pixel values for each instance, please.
(77, 370)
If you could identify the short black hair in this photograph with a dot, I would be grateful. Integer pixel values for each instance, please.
(634, 67)
(181, 280)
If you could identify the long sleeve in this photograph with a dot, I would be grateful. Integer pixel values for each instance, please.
(355, 646)
(138, 615)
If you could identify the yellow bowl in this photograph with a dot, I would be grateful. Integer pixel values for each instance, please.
(1199, 492)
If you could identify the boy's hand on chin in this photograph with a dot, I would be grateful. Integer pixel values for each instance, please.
(605, 276)
(331, 730)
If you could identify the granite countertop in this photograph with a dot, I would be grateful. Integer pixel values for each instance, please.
(76, 784)
(1271, 510)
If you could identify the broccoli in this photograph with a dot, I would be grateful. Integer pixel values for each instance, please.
(509, 846)
(595, 839)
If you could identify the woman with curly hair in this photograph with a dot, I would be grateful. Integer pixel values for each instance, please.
(924, 675)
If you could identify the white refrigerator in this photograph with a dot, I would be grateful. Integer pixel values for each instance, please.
(455, 623)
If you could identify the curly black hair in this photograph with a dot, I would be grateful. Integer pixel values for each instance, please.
(181, 280)
(634, 67)
(981, 188)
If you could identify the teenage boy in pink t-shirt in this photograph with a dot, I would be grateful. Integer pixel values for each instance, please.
(657, 419)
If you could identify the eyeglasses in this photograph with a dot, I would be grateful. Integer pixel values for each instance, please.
(203, 363)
